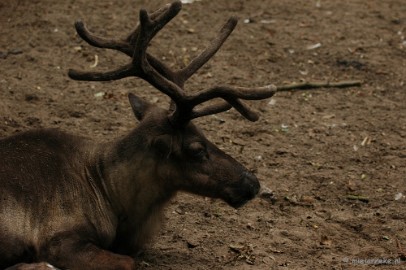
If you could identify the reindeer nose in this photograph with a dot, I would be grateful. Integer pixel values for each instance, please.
(252, 182)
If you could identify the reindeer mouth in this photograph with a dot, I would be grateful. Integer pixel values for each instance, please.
(241, 201)
(238, 204)
(246, 190)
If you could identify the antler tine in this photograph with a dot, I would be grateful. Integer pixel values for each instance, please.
(226, 92)
(210, 109)
(150, 24)
(225, 106)
(231, 96)
(101, 42)
(132, 37)
(149, 27)
(209, 51)
(126, 46)
(119, 73)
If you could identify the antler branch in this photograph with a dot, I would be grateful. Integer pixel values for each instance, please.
(231, 96)
(210, 50)
(143, 65)
(236, 92)
(101, 42)
(171, 83)
(120, 73)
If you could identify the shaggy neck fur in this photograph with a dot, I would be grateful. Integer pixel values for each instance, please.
(136, 190)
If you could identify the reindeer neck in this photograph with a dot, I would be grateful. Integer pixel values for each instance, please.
(128, 173)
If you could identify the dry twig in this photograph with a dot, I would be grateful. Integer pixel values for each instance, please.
(314, 85)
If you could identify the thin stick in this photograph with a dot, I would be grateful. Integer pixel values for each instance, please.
(358, 197)
(314, 85)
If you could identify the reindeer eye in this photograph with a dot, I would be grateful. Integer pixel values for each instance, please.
(197, 150)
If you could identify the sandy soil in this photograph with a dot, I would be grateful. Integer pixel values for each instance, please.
(335, 160)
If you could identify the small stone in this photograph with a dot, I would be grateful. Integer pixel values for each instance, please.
(31, 97)
(192, 243)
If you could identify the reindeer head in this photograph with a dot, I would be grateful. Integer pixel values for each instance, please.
(185, 157)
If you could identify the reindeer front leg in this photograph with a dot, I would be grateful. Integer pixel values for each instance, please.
(88, 256)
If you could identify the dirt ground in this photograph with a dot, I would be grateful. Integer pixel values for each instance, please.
(335, 160)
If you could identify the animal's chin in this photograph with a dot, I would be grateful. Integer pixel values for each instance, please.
(239, 197)
(238, 204)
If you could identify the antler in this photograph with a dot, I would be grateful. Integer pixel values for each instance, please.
(170, 82)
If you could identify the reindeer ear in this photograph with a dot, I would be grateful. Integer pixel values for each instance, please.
(138, 105)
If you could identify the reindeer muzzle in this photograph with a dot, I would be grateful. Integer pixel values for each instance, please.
(246, 189)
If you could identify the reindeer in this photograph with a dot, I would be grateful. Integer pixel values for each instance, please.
(76, 204)
(69, 202)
